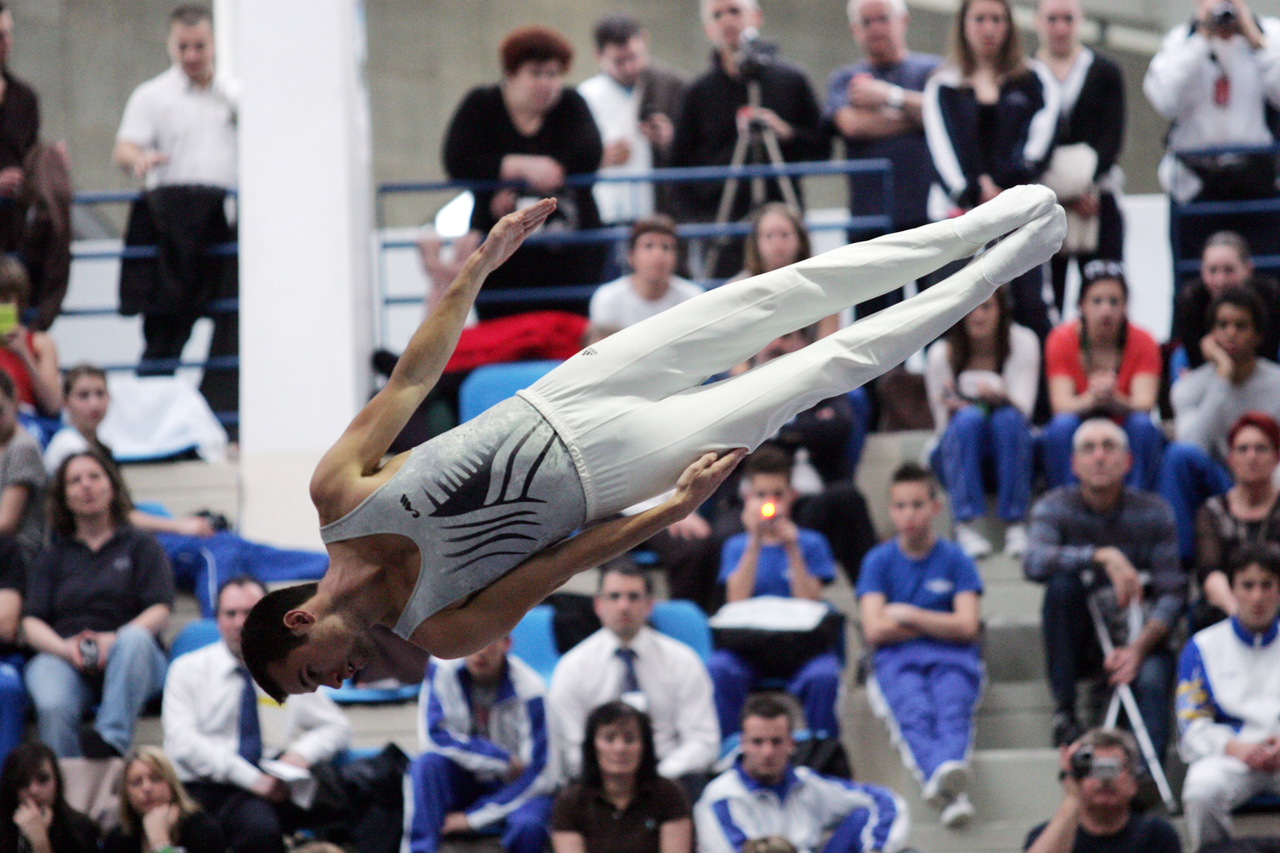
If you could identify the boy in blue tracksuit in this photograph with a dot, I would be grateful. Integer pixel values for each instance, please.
(486, 757)
(918, 599)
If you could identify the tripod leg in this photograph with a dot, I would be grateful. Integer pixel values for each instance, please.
(770, 137)
(727, 195)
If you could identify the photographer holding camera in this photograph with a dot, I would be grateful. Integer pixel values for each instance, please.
(1099, 782)
(1213, 78)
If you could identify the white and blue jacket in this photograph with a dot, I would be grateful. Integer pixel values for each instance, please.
(517, 726)
(1228, 688)
(802, 808)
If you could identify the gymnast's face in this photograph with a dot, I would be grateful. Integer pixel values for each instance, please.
(332, 652)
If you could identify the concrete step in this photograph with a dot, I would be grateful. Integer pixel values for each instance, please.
(1013, 649)
(1011, 598)
(187, 487)
(1013, 715)
(1005, 784)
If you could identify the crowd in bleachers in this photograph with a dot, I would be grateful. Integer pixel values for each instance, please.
(1154, 537)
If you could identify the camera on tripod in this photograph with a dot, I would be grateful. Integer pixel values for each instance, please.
(754, 54)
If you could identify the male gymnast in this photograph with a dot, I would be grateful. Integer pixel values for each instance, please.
(451, 543)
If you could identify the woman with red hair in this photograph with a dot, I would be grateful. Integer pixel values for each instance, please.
(1246, 514)
(534, 132)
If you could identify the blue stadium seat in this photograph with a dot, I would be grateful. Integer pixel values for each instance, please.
(493, 383)
(350, 694)
(533, 640)
(683, 621)
(194, 635)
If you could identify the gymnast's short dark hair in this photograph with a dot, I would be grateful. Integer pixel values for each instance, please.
(266, 640)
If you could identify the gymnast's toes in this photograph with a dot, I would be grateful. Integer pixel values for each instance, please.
(1014, 207)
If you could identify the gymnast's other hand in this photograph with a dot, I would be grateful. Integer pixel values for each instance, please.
(700, 480)
(511, 230)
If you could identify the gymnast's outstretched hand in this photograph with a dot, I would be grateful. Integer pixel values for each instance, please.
(700, 480)
(507, 235)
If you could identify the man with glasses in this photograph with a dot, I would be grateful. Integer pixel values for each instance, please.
(1097, 537)
(628, 660)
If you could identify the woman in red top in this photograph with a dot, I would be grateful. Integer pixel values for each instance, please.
(1101, 364)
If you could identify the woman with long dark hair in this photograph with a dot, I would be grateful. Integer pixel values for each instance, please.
(34, 816)
(621, 804)
(1101, 364)
(990, 119)
(97, 598)
(981, 380)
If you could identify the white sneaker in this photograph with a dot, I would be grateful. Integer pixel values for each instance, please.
(971, 541)
(1015, 540)
(947, 782)
(959, 812)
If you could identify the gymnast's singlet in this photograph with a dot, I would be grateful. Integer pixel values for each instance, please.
(477, 501)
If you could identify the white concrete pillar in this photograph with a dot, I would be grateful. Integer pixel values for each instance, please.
(306, 227)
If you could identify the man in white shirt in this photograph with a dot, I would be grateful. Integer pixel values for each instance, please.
(178, 135)
(216, 732)
(627, 659)
(632, 101)
(653, 250)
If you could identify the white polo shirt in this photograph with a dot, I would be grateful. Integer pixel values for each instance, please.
(195, 127)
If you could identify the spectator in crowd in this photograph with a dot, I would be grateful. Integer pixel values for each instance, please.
(918, 599)
(34, 815)
(203, 556)
(28, 357)
(874, 105)
(763, 794)
(715, 110)
(35, 184)
(22, 478)
(217, 730)
(1099, 774)
(990, 119)
(1208, 400)
(1100, 364)
(1215, 80)
(981, 379)
(1083, 168)
(621, 804)
(1098, 538)
(626, 659)
(13, 695)
(653, 251)
(632, 100)
(487, 760)
(1225, 263)
(1248, 513)
(534, 132)
(178, 135)
(774, 557)
(1229, 701)
(156, 813)
(97, 599)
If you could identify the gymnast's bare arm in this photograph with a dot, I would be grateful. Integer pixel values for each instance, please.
(350, 470)
(493, 611)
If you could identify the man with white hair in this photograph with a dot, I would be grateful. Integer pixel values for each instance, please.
(874, 106)
(714, 110)
(1097, 537)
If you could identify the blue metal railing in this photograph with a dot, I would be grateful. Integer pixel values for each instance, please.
(881, 223)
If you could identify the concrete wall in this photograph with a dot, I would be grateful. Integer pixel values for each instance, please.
(85, 56)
